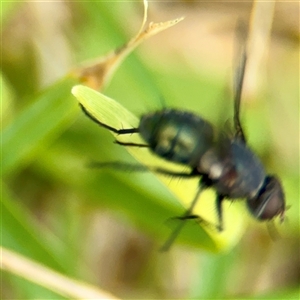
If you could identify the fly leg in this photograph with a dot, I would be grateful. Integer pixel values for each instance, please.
(117, 131)
(187, 215)
(123, 166)
(166, 246)
(219, 201)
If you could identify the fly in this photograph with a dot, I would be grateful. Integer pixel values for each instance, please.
(221, 161)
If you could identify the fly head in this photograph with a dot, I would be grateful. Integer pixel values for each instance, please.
(269, 201)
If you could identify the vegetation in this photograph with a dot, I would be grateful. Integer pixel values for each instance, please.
(104, 227)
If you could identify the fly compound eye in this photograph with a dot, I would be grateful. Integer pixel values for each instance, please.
(269, 202)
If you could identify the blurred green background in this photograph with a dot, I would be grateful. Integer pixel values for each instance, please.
(105, 227)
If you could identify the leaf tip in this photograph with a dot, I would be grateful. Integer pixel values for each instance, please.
(75, 89)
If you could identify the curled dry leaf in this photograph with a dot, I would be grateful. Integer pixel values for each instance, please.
(98, 73)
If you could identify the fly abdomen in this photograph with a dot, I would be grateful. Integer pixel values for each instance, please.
(177, 136)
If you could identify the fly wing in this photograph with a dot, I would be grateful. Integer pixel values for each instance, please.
(239, 79)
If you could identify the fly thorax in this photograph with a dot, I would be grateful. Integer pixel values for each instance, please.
(243, 173)
(210, 164)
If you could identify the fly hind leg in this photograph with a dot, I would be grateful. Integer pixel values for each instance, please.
(117, 131)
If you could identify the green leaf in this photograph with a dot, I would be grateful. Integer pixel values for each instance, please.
(20, 233)
(112, 113)
(37, 125)
(7, 8)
